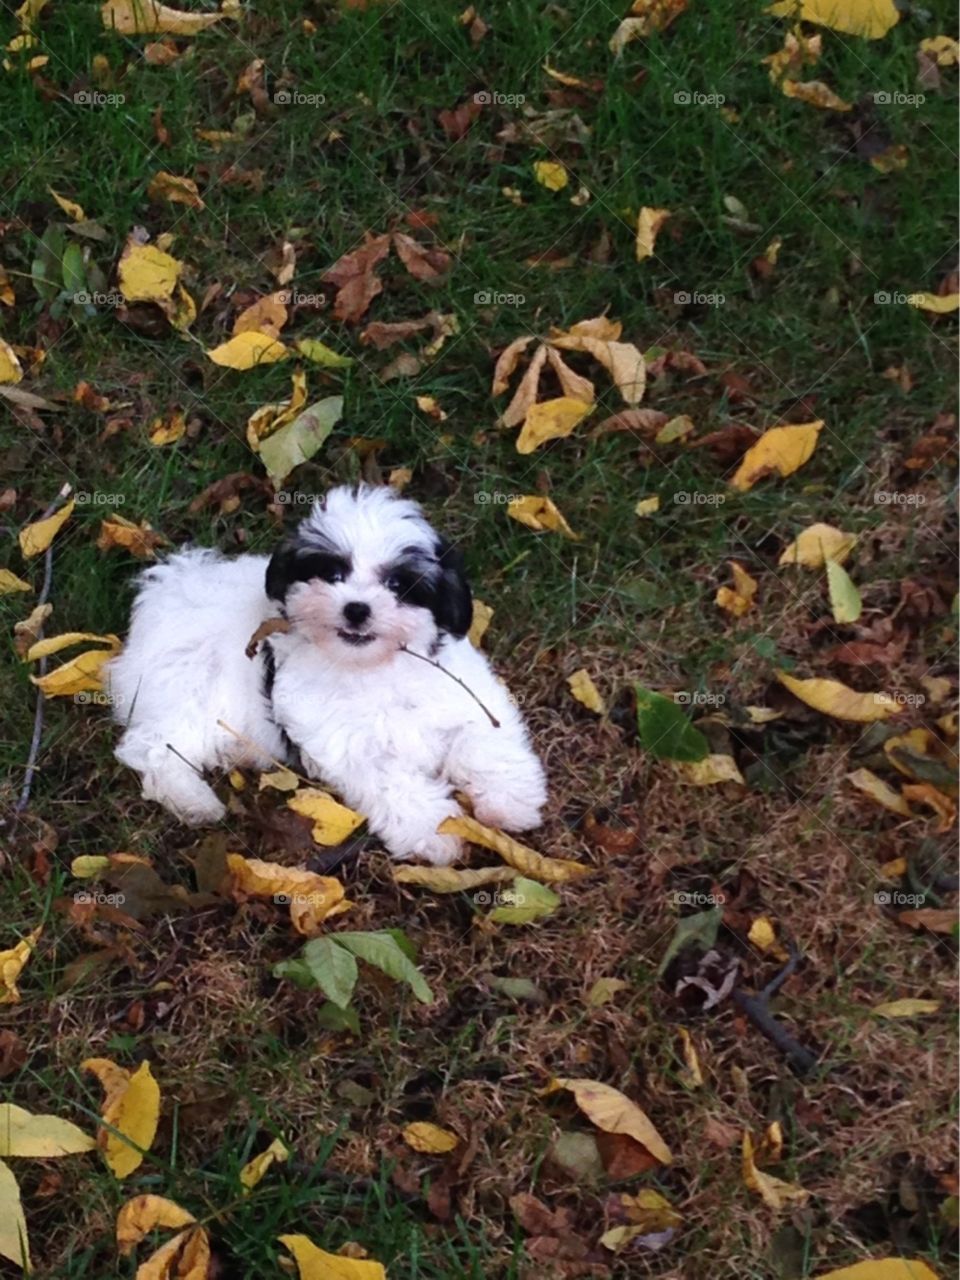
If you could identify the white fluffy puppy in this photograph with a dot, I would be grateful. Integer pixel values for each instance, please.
(368, 590)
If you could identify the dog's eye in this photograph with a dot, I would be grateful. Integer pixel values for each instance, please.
(335, 575)
(393, 582)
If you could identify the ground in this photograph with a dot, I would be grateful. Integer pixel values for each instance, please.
(776, 293)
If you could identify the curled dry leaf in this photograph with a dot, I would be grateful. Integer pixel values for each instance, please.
(571, 383)
(649, 222)
(815, 93)
(146, 1213)
(773, 1191)
(507, 362)
(527, 861)
(11, 369)
(353, 276)
(709, 771)
(131, 1109)
(9, 583)
(482, 617)
(737, 599)
(551, 175)
(834, 699)
(174, 190)
(422, 261)
(622, 360)
(150, 17)
(139, 539)
(943, 806)
(312, 897)
(267, 315)
(586, 692)
(452, 879)
(540, 514)
(871, 19)
(614, 1112)
(254, 1170)
(526, 392)
(880, 791)
(906, 1008)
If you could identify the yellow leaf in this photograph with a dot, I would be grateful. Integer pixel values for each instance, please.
(815, 94)
(452, 879)
(168, 431)
(316, 1264)
(333, 822)
(600, 327)
(269, 418)
(147, 1213)
(10, 368)
(834, 699)
(146, 273)
(622, 360)
(604, 990)
(188, 1252)
(551, 420)
(526, 392)
(507, 362)
(773, 1191)
(692, 1074)
(89, 865)
(940, 306)
(81, 674)
(815, 546)
(571, 383)
(430, 406)
(906, 1008)
(318, 353)
(798, 51)
(845, 603)
(131, 1110)
(39, 1137)
(312, 897)
(539, 514)
(894, 869)
(613, 1112)
(482, 617)
(9, 582)
(54, 644)
(883, 1269)
(926, 793)
(945, 49)
(762, 933)
(677, 428)
(892, 159)
(69, 207)
(528, 862)
(429, 1139)
(175, 190)
(586, 692)
(13, 1225)
(709, 771)
(246, 350)
(11, 965)
(781, 449)
(738, 599)
(149, 17)
(267, 315)
(649, 222)
(880, 791)
(29, 11)
(647, 506)
(139, 539)
(868, 18)
(254, 1170)
(646, 17)
(281, 779)
(550, 175)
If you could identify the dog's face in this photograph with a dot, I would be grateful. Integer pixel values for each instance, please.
(366, 575)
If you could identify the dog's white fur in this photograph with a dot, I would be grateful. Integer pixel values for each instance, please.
(389, 732)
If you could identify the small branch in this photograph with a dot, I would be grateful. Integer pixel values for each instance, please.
(249, 742)
(423, 658)
(34, 752)
(268, 628)
(757, 1009)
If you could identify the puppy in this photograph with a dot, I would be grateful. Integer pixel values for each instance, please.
(368, 591)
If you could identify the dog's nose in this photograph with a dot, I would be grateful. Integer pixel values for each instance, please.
(356, 612)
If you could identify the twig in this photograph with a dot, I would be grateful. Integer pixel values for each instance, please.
(34, 751)
(757, 1009)
(249, 742)
(423, 658)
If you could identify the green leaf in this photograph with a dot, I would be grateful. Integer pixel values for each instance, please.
(525, 900)
(516, 988)
(297, 972)
(333, 1018)
(698, 930)
(333, 967)
(74, 270)
(300, 439)
(844, 597)
(383, 952)
(45, 269)
(408, 948)
(665, 730)
(322, 355)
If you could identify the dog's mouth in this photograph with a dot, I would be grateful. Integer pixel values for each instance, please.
(357, 639)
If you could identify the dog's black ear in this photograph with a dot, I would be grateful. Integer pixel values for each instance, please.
(454, 608)
(280, 571)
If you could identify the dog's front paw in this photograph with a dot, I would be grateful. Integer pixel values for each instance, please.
(440, 850)
(507, 813)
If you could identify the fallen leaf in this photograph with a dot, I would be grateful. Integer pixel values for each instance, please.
(27, 633)
(692, 1074)
(526, 392)
(676, 429)
(907, 1008)
(429, 1139)
(815, 546)
(267, 315)
(149, 17)
(834, 699)
(452, 879)
(279, 780)
(81, 674)
(248, 349)
(649, 222)
(645, 422)
(39, 1137)
(13, 1224)
(883, 1269)
(480, 622)
(815, 93)
(297, 441)
(711, 770)
(174, 190)
(780, 449)
(798, 51)
(943, 806)
(647, 506)
(665, 730)
(586, 692)
(845, 603)
(139, 539)
(354, 279)
(422, 261)
(613, 1112)
(538, 513)
(762, 933)
(36, 537)
(945, 49)
(318, 353)
(622, 360)
(271, 417)
(936, 919)
(572, 383)
(604, 990)
(147, 274)
(69, 207)
(524, 901)
(880, 791)
(940, 305)
(164, 431)
(528, 862)
(871, 19)
(647, 17)
(131, 1109)
(254, 1170)
(773, 1191)
(315, 1264)
(550, 175)
(146, 1213)
(551, 420)
(312, 898)
(9, 583)
(507, 362)
(737, 599)
(332, 822)
(893, 159)
(10, 368)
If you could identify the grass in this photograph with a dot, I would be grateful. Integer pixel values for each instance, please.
(242, 1058)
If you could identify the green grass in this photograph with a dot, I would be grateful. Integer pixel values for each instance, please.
(631, 598)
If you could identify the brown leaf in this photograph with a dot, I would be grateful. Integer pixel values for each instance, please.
(646, 422)
(729, 444)
(572, 384)
(936, 919)
(506, 363)
(404, 365)
(353, 277)
(536, 1218)
(382, 334)
(225, 493)
(623, 1156)
(421, 261)
(455, 123)
(526, 393)
(13, 1053)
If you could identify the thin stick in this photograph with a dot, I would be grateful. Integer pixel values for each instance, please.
(34, 751)
(249, 742)
(757, 1009)
(423, 658)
